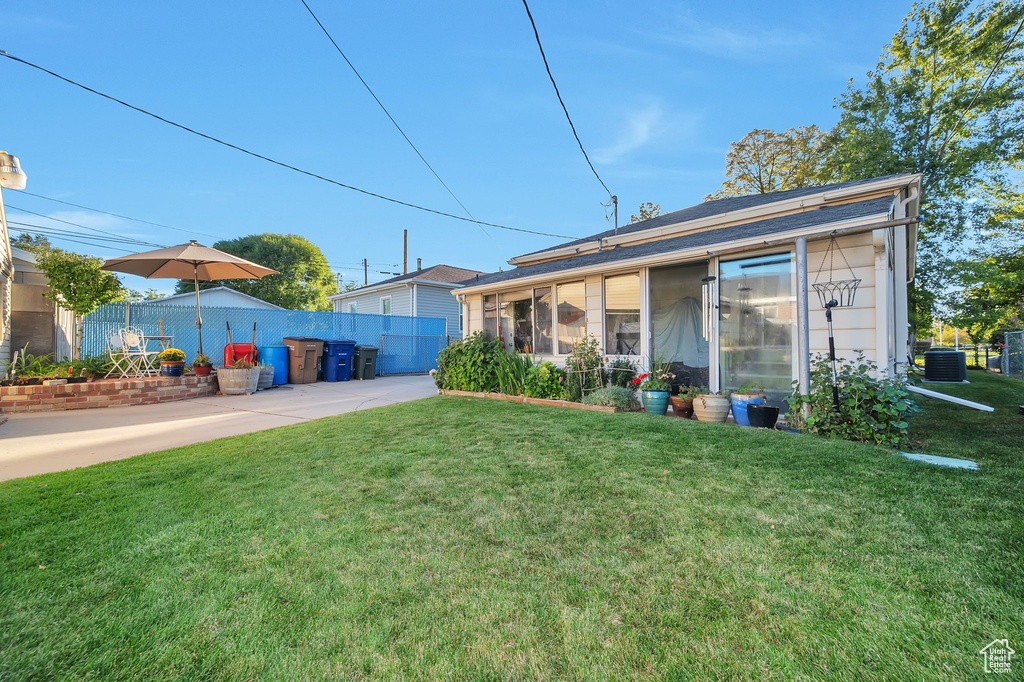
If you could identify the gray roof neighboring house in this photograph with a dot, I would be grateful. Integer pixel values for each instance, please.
(436, 274)
(709, 238)
(713, 208)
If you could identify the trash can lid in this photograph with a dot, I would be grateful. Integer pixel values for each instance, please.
(340, 341)
(366, 347)
(301, 338)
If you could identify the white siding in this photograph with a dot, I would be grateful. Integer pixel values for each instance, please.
(434, 301)
(370, 301)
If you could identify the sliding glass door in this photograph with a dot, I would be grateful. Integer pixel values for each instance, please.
(678, 334)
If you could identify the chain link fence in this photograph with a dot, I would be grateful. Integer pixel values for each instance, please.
(1013, 355)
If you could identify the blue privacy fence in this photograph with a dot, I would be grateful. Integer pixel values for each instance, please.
(408, 344)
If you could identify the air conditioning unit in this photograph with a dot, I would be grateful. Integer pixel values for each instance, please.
(945, 365)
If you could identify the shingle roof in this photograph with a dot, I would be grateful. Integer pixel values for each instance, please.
(435, 273)
(709, 238)
(711, 208)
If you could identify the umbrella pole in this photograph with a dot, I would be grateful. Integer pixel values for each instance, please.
(199, 319)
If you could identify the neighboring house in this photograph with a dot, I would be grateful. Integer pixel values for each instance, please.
(215, 296)
(423, 293)
(36, 320)
(713, 290)
(6, 289)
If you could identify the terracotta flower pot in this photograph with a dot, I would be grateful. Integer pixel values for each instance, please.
(682, 407)
(202, 370)
(711, 408)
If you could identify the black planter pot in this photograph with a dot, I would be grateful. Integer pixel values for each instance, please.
(762, 416)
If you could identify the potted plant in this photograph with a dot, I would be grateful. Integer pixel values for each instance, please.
(682, 404)
(266, 379)
(748, 394)
(654, 388)
(711, 407)
(202, 365)
(762, 416)
(172, 362)
(240, 378)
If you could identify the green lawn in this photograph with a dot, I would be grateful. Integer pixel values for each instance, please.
(477, 539)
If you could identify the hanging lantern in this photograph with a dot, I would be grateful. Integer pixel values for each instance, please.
(835, 293)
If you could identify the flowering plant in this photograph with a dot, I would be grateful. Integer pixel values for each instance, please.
(172, 355)
(658, 379)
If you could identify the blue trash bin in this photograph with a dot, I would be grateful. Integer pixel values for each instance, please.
(338, 359)
(278, 357)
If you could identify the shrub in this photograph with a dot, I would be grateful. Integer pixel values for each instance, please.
(870, 410)
(469, 364)
(511, 370)
(613, 396)
(584, 369)
(545, 380)
(621, 372)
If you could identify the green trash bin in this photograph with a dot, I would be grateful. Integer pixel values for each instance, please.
(365, 362)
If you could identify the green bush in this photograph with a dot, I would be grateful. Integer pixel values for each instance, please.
(545, 380)
(620, 372)
(470, 364)
(870, 410)
(584, 369)
(511, 371)
(613, 396)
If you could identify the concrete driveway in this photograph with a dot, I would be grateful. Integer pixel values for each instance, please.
(43, 442)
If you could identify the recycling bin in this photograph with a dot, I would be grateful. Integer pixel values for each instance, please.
(303, 354)
(337, 359)
(365, 362)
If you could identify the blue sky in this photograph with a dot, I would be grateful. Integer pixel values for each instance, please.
(657, 91)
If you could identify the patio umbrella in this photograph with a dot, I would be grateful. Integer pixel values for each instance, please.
(188, 261)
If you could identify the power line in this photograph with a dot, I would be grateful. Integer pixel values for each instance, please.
(118, 215)
(559, 95)
(78, 241)
(381, 105)
(53, 231)
(84, 227)
(282, 164)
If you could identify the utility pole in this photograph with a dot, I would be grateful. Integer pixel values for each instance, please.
(405, 252)
(366, 276)
(615, 208)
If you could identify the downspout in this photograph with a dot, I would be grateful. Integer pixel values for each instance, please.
(803, 323)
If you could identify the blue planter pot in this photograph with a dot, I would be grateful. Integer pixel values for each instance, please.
(655, 402)
(169, 369)
(739, 406)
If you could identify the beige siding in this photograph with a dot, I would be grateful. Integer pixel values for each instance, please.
(476, 313)
(595, 308)
(855, 328)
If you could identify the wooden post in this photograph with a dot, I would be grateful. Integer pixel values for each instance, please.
(405, 252)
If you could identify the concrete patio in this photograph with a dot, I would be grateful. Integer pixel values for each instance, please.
(54, 441)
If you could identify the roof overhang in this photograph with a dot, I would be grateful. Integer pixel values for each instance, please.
(392, 285)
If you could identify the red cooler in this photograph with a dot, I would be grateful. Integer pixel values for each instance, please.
(239, 351)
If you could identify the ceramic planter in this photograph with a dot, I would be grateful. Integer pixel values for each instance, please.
(655, 402)
(762, 416)
(682, 407)
(711, 408)
(739, 405)
(202, 370)
(172, 369)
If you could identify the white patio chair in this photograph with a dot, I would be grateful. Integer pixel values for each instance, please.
(135, 345)
(123, 362)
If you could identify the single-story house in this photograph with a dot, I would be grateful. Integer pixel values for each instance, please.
(36, 320)
(426, 292)
(224, 297)
(722, 290)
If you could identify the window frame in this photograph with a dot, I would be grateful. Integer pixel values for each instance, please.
(382, 300)
(353, 307)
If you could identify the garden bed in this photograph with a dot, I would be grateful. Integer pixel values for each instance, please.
(103, 393)
(532, 401)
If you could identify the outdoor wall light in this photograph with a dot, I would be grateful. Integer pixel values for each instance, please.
(11, 175)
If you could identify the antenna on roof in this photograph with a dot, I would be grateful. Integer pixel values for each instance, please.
(613, 204)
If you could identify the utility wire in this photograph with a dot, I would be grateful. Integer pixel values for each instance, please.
(559, 95)
(282, 164)
(981, 89)
(118, 215)
(78, 241)
(382, 107)
(84, 227)
(53, 231)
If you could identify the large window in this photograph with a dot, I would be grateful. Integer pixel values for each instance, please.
(678, 336)
(490, 316)
(572, 315)
(758, 312)
(622, 314)
(543, 327)
(515, 311)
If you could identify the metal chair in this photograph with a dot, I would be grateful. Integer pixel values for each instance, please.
(135, 344)
(123, 362)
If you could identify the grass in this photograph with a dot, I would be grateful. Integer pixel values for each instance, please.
(477, 539)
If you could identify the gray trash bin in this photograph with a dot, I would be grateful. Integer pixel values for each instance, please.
(365, 362)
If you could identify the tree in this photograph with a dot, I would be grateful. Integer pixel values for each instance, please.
(768, 161)
(305, 280)
(35, 244)
(136, 297)
(990, 296)
(947, 101)
(78, 284)
(646, 212)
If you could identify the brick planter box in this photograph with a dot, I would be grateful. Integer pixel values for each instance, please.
(104, 393)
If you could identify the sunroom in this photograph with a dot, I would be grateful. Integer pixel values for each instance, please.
(723, 290)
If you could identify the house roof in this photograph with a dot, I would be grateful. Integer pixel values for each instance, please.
(192, 294)
(824, 215)
(436, 274)
(715, 207)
